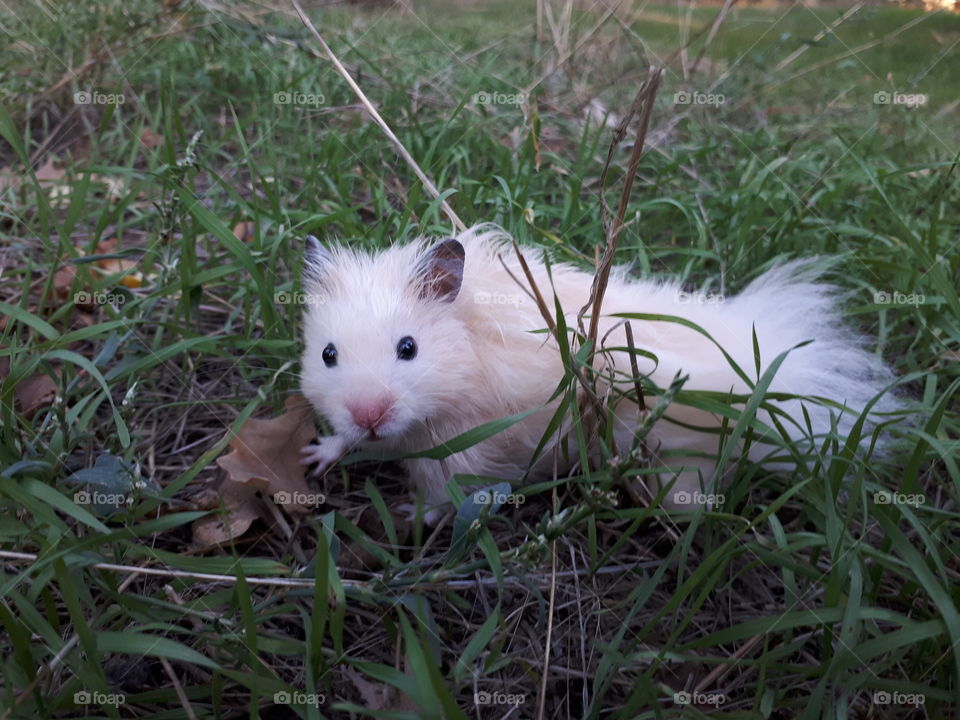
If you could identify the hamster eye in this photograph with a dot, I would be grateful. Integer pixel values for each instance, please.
(329, 355)
(406, 348)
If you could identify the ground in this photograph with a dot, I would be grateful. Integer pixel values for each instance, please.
(160, 165)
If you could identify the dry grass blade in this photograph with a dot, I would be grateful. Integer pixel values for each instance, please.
(427, 183)
(713, 33)
(547, 315)
(818, 37)
(534, 289)
(166, 572)
(545, 676)
(562, 58)
(178, 689)
(642, 104)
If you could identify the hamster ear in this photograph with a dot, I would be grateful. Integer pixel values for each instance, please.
(317, 259)
(440, 271)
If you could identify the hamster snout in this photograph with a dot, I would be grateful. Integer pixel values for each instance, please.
(370, 413)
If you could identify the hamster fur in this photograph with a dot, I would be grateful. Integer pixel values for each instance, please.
(478, 356)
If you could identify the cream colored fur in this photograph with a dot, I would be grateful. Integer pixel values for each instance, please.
(481, 358)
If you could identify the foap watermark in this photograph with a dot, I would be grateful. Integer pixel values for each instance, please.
(499, 98)
(283, 497)
(699, 298)
(885, 697)
(95, 697)
(882, 297)
(685, 697)
(484, 297)
(96, 497)
(284, 697)
(498, 698)
(887, 497)
(486, 497)
(682, 497)
(95, 97)
(692, 97)
(295, 97)
(911, 100)
(99, 298)
(289, 297)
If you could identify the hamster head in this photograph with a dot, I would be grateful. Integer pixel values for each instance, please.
(386, 349)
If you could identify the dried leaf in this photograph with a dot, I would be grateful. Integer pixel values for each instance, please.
(63, 280)
(48, 173)
(64, 277)
(150, 139)
(118, 265)
(241, 508)
(33, 393)
(263, 462)
(243, 231)
(264, 458)
(376, 696)
(269, 450)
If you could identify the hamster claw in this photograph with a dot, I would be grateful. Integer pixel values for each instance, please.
(325, 452)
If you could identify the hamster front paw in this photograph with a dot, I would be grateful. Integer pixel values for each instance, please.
(325, 452)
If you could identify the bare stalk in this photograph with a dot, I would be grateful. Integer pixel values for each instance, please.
(427, 183)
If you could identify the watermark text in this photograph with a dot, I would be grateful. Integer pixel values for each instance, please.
(911, 100)
(499, 98)
(685, 97)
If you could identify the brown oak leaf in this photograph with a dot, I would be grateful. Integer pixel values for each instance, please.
(264, 458)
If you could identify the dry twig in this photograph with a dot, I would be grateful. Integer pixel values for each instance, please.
(408, 158)
(642, 104)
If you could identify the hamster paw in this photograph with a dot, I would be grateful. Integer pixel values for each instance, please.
(325, 452)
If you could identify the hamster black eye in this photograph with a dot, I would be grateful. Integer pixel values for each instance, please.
(406, 348)
(329, 355)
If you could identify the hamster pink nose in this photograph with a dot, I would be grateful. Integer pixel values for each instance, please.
(370, 414)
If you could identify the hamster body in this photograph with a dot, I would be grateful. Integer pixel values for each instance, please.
(414, 345)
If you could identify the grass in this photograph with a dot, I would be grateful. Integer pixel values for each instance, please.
(802, 596)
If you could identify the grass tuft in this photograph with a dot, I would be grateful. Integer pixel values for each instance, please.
(208, 139)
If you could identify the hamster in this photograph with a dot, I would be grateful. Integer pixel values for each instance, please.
(415, 344)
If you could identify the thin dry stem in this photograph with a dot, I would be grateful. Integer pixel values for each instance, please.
(547, 316)
(427, 183)
(818, 37)
(721, 16)
(643, 104)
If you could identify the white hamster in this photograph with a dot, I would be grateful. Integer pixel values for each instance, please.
(418, 343)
